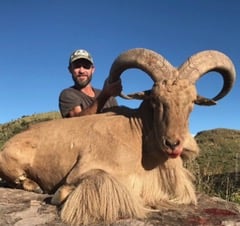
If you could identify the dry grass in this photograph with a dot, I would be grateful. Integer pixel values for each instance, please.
(217, 169)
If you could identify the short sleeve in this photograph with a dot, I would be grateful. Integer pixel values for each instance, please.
(67, 101)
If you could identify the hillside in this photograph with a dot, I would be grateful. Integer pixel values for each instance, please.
(222, 146)
(11, 128)
(217, 168)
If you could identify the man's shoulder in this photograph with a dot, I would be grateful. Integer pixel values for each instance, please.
(69, 90)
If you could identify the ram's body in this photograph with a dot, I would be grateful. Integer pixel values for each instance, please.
(120, 161)
(65, 148)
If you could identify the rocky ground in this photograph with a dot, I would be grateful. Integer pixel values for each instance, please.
(21, 208)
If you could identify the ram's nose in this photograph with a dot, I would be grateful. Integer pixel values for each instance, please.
(174, 147)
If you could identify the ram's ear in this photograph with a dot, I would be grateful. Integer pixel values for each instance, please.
(204, 101)
(137, 96)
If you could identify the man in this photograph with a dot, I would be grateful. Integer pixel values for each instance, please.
(81, 98)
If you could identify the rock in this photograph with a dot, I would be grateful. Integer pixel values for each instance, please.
(22, 208)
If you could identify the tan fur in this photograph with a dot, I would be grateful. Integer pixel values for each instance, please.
(117, 161)
(100, 197)
(170, 182)
(125, 163)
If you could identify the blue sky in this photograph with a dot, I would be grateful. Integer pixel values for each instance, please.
(37, 38)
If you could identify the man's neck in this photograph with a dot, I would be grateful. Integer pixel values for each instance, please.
(88, 90)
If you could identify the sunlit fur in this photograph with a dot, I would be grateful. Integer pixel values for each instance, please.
(117, 161)
(100, 197)
(124, 163)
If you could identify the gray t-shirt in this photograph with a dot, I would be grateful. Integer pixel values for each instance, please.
(71, 97)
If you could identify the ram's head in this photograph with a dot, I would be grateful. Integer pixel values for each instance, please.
(173, 94)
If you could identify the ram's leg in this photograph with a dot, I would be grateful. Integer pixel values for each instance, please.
(14, 175)
(98, 197)
(28, 184)
(22, 182)
(64, 191)
(61, 194)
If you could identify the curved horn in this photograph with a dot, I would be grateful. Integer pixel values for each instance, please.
(156, 66)
(206, 61)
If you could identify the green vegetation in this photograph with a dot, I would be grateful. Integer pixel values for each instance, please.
(9, 129)
(217, 168)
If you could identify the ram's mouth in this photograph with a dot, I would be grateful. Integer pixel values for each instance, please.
(174, 153)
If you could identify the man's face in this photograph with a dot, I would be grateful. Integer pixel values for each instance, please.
(82, 71)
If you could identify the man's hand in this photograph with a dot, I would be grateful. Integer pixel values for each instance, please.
(112, 89)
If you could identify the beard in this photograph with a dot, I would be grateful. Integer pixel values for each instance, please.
(81, 84)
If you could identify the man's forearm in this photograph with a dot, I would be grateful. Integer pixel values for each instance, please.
(94, 108)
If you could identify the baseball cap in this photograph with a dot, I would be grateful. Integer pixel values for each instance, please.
(80, 54)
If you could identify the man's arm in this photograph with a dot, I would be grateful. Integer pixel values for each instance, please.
(112, 89)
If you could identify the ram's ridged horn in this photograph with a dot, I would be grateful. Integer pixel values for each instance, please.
(156, 66)
(206, 61)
